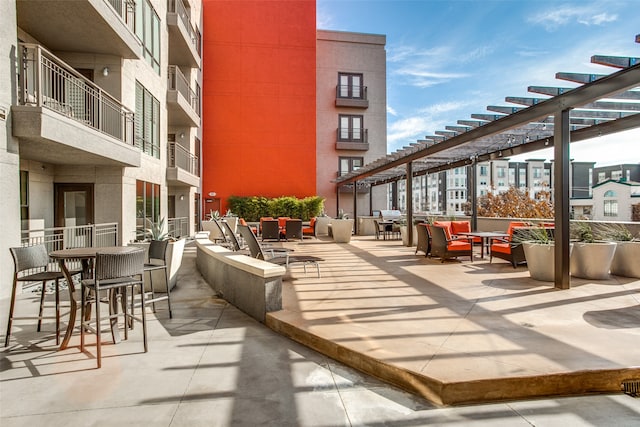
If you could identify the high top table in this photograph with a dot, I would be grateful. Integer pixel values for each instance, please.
(86, 256)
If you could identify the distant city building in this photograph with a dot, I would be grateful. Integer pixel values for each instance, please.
(613, 200)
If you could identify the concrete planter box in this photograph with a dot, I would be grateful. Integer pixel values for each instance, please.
(626, 260)
(214, 232)
(341, 230)
(322, 225)
(592, 260)
(174, 261)
(404, 233)
(232, 221)
(541, 260)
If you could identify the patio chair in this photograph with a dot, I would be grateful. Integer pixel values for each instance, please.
(509, 248)
(30, 264)
(424, 239)
(293, 229)
(231, 237)
(311, 229)
(158, 261)
(270, 230)
(280, 257)
(445, 247)
(383, 230)
(113, 272)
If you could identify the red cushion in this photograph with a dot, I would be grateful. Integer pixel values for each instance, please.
(459, 245)
(514, 224)
(282, 221)
(504, 248)
(460, 227)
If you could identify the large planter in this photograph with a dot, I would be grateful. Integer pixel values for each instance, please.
(213, 229)
(592, 260)
(232, 221)
(541, 260)
(404, 233)
(322, 225)
(175, 250)
(341, 230)
(626, 260)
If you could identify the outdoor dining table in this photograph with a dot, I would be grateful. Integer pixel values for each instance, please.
(485, 237)
(86, 256)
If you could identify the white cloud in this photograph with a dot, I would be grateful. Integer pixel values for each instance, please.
(554, 18)
(391, 110)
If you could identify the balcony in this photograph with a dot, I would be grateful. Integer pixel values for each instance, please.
(183, 167)
(351, 96)
(184, 37)
(64, 118)
(183, 103)
(352, 139)
(93, 26)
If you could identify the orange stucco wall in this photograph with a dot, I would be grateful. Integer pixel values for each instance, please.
(259, 99)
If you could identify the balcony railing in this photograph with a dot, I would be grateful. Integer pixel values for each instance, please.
(353, 135)
(180, 157)
(351, 92)
(126, 9)
(177, 7)
(178, 227)
(46, 81)
(177, 81)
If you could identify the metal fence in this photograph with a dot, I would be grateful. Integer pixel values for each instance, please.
(177, 81)
(47, 81)
(178, 227)
(177, 6)
(126, 9)
(180, 157)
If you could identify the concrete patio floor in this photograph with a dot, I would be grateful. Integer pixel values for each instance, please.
(378, 307)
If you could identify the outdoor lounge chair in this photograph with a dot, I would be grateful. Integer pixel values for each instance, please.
(444, 246)
(311, 229)
(270, 230)
(424, 239)
(280, 257)
(293, 229)
(510, 248)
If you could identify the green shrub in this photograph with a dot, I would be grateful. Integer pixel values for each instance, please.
(251, 208)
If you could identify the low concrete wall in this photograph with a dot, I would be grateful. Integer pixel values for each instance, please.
(252, 285)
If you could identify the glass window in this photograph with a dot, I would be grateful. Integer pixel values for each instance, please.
(350, 86)
(484, 171)
(147, 206)
(610, 208)
(147, 122)
(610, 193)
(501, 172)
(148, 31)
(351, 128)
(24, 198)
(349, 164)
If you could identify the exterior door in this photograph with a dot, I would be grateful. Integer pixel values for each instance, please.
(73, 205)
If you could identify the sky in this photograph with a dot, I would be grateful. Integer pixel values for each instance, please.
(448, 59)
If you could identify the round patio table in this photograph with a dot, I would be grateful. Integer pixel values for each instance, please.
(86, 257)
(485, 236)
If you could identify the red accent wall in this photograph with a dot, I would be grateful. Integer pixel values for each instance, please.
(259, 99)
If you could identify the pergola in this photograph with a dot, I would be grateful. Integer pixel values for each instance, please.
(602, 105)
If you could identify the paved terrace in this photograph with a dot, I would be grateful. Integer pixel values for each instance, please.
(453, 329)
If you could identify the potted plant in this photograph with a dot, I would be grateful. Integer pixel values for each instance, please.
(539, 251)
(215, 232)
(232, 219)
(590, 258)
(626, 259)
(342, 228)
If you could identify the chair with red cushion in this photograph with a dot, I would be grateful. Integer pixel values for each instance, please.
(508, 249)
(444, 246)
(311, 229)
(243, 222)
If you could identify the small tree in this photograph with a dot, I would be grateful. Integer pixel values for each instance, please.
(515, 203)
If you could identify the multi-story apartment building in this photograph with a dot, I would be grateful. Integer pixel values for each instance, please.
(627, 172)
(100, 116)
(446, 192)
(351, 124)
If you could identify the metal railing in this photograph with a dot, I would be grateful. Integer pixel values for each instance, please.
(353, 135)
(177, 81)
(81, 236)
(126, 9)
(177, 6)
(351, 92)
(178, 227)
(47, 81)
(180, 157)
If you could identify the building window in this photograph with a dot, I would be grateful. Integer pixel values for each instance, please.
(610, 193)
(350, 86)
(148, 31)
(147, 206)
(601, 176)
(610, 208)
(484, 171)
(349, 164)
(147, 122)
(537, 172)
(24, 199)
(351, 128)
(500, 172)
(616, 175)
